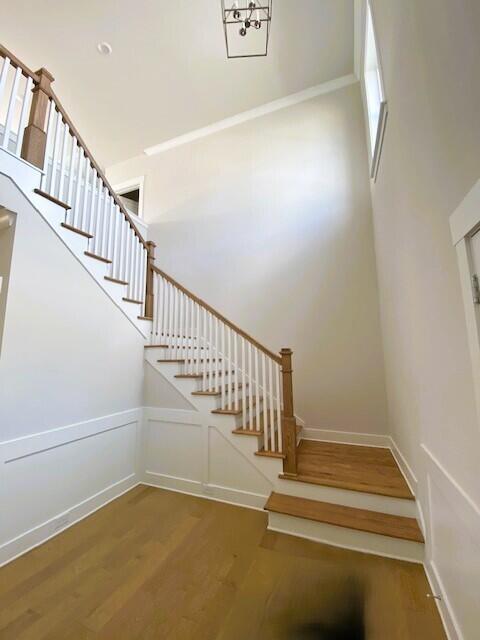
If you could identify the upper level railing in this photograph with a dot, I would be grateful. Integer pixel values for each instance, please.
(71, 176)
(250, 379)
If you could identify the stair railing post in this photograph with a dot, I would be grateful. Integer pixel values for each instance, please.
(149, 295)
(289, 425)
(35, 136)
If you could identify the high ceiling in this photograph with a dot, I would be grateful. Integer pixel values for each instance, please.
(168, 73)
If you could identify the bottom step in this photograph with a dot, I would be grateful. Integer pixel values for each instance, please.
(359, 529)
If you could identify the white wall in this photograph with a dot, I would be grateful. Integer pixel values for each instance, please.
(270, 222)
(71, 371)
(430, 52)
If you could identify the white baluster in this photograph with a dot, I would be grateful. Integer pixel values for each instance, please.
(52, 177)
(244, 384)
(76, 198)
(197, 343)
(63, 161)
(235, 369)
(115, 217)
(250, 387)
(24, 115)
(82, 221)
(258, 425)
(272, 406)
(11, 108)
(49, 145)
(224, 366)
(73, 152)
(192, 337)
(181, 325)
(229, 378)
(176, 323)
(204, 354)
(217, 353)
(3, 76)
(264, 406)
(92, 219)
(279, 411)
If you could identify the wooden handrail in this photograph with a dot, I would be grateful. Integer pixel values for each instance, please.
(218, 315)
(5, 53)
(95, 166)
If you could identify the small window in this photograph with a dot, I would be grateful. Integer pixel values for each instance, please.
(374, 94)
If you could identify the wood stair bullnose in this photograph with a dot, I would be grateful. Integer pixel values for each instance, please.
(347, 517)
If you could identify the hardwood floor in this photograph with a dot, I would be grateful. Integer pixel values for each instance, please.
(358, 468)
(155, 564)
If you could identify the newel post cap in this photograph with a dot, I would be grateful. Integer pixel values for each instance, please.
(45, 78)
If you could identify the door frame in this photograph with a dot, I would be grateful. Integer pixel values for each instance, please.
(464, 224)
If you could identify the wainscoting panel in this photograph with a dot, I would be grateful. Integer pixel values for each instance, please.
(184, 452)
(453, 550)
(50, 480)
(174, 449)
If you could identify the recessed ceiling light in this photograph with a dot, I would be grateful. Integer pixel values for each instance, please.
(104, 48)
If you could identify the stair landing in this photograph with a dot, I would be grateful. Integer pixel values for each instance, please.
(353, 467)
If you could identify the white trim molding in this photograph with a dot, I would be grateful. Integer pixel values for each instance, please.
(32, 472)
(464, 223)
(346, 437)
(251, 114)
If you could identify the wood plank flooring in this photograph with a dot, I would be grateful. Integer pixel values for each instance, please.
(155, 564)
(353, 467)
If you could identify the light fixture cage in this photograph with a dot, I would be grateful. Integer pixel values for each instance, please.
(254, 18)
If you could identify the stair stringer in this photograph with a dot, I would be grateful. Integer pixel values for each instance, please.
(25, 177)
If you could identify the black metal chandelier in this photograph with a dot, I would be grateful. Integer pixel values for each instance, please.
(246, 24)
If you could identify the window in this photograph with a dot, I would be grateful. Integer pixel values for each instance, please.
(376, 105)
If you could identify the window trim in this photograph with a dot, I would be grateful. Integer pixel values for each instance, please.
(375, 150)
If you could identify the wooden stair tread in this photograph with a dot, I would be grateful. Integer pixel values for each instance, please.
(247, 432)
(347, 517)
(197, 376)
(356, 468)
(80, 232)
(132, 300)
(115, 280)
(155, 346)
(234, 412)
(52, 199)
(270, 454)
(182, 360)
(215, 393)
(94, 255)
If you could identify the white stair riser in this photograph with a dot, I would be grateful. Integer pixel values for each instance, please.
(356, 499)
(347, 538)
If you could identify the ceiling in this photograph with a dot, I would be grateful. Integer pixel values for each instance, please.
(168, 73)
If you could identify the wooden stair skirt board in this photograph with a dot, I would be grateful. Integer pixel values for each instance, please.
(346, 527)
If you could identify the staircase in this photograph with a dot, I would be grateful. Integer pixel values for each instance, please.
(344, 495)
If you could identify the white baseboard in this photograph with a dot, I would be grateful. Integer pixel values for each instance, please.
(205, 490)
(443, 605)
(410, 477)
(39, 498)
(346, 437)
(53, 527)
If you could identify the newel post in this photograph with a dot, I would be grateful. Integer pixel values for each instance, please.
(149, 280)
(35, 136)
(289, 425)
